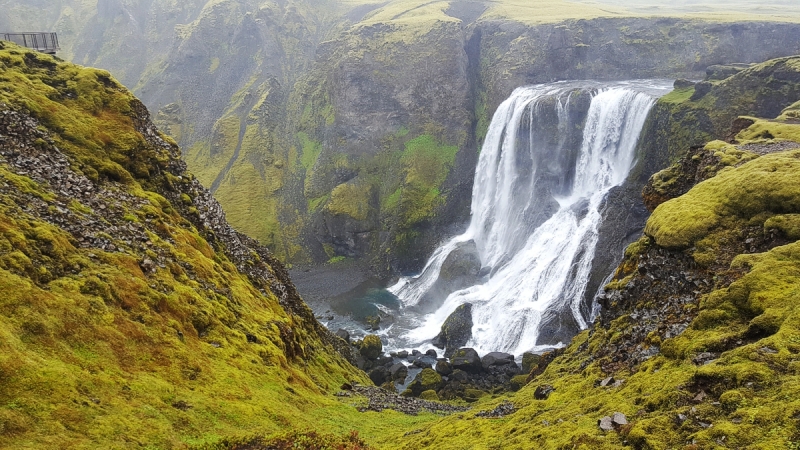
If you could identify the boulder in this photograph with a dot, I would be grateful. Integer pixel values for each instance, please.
(683, 83)
(432, 353)
(344, 334)
(398, 372)
(429, 395)
(459, 375)
(379, 375)
(402, 354)
(700, 90)
(496, 359)
(456, 329)
(443, 367)
(371, 347)
(426, 380)
(422, 363)
(466, 359)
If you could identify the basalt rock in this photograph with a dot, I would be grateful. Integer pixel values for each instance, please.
(456, 330)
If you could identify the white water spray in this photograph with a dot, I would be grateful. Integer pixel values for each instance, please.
(536, 211)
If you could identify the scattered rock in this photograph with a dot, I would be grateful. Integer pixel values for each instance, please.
(614, 422)
(606, 424)
(398, 372)
(182, 405)
(543, 392)
(380, 399)
(496, 359)
(704, 358)
(380, 375)
(344, 334)
(700, 397)
(466, 359)
(502, 410)
(443, 367)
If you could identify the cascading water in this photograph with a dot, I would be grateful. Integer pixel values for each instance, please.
(536, 212)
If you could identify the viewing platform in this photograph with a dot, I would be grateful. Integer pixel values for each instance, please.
(39, 41)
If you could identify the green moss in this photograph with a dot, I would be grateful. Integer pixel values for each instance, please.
(765, 184)
(789, 224)
(429, 395)
(371, 346)
(350, 199)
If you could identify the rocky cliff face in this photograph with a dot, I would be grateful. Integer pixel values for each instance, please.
(304, 104)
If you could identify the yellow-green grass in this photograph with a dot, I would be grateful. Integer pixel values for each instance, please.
(95, 353)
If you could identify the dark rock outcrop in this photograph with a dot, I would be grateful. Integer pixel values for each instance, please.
(456, 330)
(466, 359)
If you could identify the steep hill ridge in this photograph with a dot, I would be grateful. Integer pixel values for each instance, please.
(132, 313)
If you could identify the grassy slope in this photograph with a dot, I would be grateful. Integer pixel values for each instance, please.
(97, 352)
(750, 318)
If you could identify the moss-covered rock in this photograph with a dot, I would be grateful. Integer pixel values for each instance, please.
(426, 380)
(371, 346)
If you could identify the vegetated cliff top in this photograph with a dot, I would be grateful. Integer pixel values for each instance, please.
(698, 340)
(131, 313)
(421, 13)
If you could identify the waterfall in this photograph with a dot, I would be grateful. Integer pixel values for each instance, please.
(551, 154)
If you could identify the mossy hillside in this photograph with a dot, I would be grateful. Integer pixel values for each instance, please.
(726, 381)
(125, 320)
(763, 90)
(747, 195)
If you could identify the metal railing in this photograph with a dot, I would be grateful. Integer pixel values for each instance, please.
(42, 42)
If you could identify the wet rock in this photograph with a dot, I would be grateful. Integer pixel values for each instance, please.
(344, 334)
(456, 329)
(466, 359)
(398, 372)
(432, 353)
(422, 363)
(402, 354)
(543, 392)
(496, 359)
(443, 367)
(380, 375)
